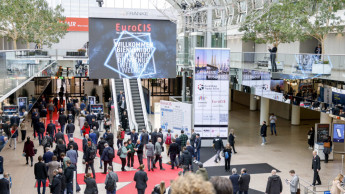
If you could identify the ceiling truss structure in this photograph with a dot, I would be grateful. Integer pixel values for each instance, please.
(226, 14)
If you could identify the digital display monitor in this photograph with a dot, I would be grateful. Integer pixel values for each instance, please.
(338, 133)
(10, 109)
(132, 48)
(96, 108)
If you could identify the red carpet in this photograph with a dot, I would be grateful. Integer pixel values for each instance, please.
(154, 177)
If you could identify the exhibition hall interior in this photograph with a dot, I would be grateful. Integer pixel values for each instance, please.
(172, 96)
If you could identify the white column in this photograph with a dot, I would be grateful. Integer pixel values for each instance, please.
(296, 115)
(209, 27)
(325, 118)
(230, 99)
(264, 109)
(253, 102)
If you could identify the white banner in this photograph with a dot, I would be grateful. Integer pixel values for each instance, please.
(211, 92)
(176, 116)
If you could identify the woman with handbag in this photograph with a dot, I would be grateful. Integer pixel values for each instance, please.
(327, 147)
(227, 156)
(28, 150)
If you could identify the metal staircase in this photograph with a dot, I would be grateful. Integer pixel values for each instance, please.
(137, 104)
(118, 87)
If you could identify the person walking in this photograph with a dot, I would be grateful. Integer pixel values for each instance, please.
(110, 181)
(62, 121)
(85, 129)
(150, 154)
(41, 175)
(336, 185)
(91, 186)
(55, 185)
(101, 147)
(107, 157)
(28, 150)
(53, 165)
(47, 142)
(73, 156)
(293, 182)
(327, 144)
(235, 181)
(124, 120)
(59, 149)
(263, 132)
(70, 129)
(120, 136)
(141, 179)
(139, 148)
(316, 166)
(123, 155)
(168, 139)
(273, 54)
(59, 136)
(183, 138)
(14, 136)
(311, 135)
(69, 176)
(173, 152)
(110, 138)
(273, 120)
(274, 184)
(51, 129)
(158, 154)
(227, 157)
(197, 147)
(23, 130)
(244, 181)
(130, 154)
(218, 146)
(202, 171)
(89, 157)
(232, 139)
(186, 160)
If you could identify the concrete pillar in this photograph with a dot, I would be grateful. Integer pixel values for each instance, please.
(209, 28)
(296, 115)
(325, 118)
(264, 110)
(253, 102)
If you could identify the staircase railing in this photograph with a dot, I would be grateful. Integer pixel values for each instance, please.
(130, 108)
(143, 105)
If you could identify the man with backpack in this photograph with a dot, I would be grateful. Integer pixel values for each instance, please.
(168, 140)
(89, 156)
(47, 142)
(107, 156)
(110, 181)
(120, 136)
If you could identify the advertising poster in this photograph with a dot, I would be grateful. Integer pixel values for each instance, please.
(211, 92)
(132, 48)
(22, 103)
(9, 110)
(322, 132)
(96, 108)
(77, 24)
(176, 116)
(338, 133)
(92, 100)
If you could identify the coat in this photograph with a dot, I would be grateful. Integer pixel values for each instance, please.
(70, 128)
(62, 119)
(140, 178)
(91, 186)
(40, 171)
(150, 150)
(110, 139)
(244, 182)
(186, 158)
(144, 138)
(100, 146)
(29, 148)
(235, 182)
(263, 130)
(203, 172)
(231, 139)
(173, 149)
(53, 165)
(336, 187)
(316, 163)
(4, 186)
(55, 187)
(218, 143)
(69, 173)
(274, 185)
(105, 154)
(58, 136)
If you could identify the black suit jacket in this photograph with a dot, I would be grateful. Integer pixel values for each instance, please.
(58, 136)
(51, 129)
(316, 163)
(62, 119)
(40, 170)
(244, 182)
(140, 178)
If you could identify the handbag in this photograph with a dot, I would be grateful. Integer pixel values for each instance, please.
(35, 151)
(327, 144)
(298, 191)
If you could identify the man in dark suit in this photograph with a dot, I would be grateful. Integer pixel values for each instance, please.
(119, 96)
(62, 120)
(234, 180)
(244, 181)
(316, 166)
(41, 174)
(51, 129)
(173, 151)
(140, 178)
(15, 120)
(58, 136)
(88, 118)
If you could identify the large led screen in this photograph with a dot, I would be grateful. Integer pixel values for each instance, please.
(211, 92)
(132, 48)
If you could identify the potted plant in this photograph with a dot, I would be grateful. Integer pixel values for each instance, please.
(81, 52)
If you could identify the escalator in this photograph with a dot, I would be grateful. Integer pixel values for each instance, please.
(137, 104)
(118, 87)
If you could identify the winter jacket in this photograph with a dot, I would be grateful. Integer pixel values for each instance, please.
(186, 158)
(91, 186)
(55, 187)
(140, 178)
(110, 139)
(203, 173)
(173, 149)
(183, 138)
(105, 154)
(69, 173)
(218, 143)
(274, 185)
(29, 148)
(100, 146)
(263, 131)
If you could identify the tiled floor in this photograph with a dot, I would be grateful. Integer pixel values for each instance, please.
(286, 151)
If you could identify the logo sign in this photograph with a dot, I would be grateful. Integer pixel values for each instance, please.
(132, 48)
(77, 24)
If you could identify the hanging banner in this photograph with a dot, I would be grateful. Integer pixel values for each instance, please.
(211, 92)
(77, 24)
(176, 116)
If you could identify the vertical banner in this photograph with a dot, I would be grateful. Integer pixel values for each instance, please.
(211, 92)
